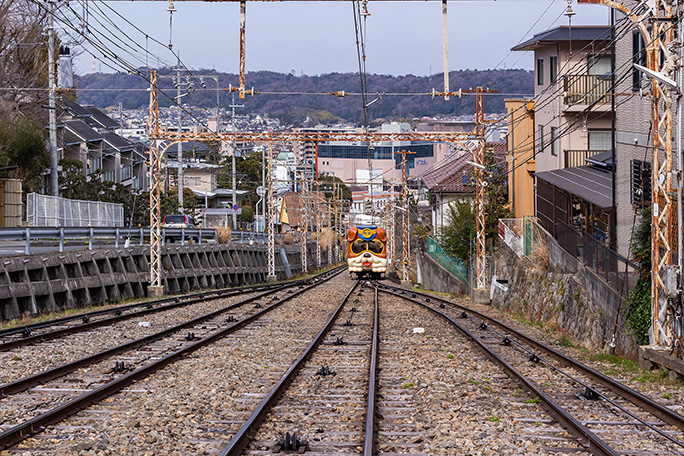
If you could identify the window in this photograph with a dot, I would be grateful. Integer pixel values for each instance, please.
(540, 139)
(598, 65)
(553, 68)
(638, 57)
(641, 182)
(540, 71)
(600, 140)
(554, 141)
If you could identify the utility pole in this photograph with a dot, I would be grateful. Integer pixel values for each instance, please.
(232, 118)
(155, 288)
(270, 219)
(180, 144)
(52, 101)
(405, 220)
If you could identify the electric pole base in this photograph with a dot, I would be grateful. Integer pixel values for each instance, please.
(155, 292)
(406, 284)
(481, 296)
(271, 278)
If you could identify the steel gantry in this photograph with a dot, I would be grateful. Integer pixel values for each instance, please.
(156, 135)
(658, 22)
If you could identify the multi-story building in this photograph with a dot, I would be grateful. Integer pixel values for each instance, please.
(573, 134)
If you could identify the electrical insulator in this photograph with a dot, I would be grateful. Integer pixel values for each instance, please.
(339, 93)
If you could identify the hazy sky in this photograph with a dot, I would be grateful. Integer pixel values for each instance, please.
(318, 37)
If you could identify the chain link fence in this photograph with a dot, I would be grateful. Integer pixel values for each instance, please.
(46, 210)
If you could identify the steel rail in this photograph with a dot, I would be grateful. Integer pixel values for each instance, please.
(625, 392)
(37, 424)
(369, 443)
(222, 293)
(249, 428)
(28, 382)
(178, 301)
(110, 320)
(585, 437)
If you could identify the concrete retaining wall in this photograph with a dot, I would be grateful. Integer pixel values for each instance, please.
(433, 276)
(53, 282)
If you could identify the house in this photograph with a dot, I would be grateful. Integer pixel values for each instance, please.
(572, 134)
(86, 134)
(454, 181)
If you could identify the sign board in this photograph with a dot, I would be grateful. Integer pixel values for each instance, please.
(236, 207)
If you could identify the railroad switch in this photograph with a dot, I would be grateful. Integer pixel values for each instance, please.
(86, 319)
(120, 367)
(464, 315)
(534, 358)
(325, 371)
(483, 326)
(348, 323)
(190, 336)
(590, 394)
(506, 341)
(339, 341)
(291, 444)
(27, 332)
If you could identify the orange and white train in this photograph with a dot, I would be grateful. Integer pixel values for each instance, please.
(367, 251)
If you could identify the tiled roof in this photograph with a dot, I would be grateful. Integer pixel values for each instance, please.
(565, 33)
(83, 131)
(456, 176)
(117, 142)
(99, 119)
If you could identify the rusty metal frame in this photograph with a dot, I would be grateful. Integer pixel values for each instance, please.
(659, 40)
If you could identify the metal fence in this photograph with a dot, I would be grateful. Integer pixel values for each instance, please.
(610, 265)
(453, 265)
(45, 210)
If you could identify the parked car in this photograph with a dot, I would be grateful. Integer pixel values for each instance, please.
(178, 221)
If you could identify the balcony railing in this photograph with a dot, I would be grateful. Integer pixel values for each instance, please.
(586, 89)
(578, 157)
(109, 176)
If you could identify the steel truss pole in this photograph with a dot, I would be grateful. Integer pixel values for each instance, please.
(654, 20)
(270, 216)
(480, 183)
(306, 226)
(155, 288)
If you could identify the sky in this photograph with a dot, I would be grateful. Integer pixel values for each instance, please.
(318, 37)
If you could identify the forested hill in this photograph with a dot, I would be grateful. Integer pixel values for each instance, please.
(298, 97)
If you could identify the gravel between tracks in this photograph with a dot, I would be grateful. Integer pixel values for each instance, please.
(195, 405)
(31, 359)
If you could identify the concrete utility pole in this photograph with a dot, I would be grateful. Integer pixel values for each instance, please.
(180, 144)
(52, 101)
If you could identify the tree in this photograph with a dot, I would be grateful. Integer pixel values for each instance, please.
(22, 144)
(456, 237)
(461, 217)
(639, 300)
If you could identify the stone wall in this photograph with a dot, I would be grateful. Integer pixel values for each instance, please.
(57, 281)
(564, 296)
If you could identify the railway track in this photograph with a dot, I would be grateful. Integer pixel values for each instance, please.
(350, 367)
(603, 416)
(31, 403)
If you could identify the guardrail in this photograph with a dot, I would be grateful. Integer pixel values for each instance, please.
(90, 234)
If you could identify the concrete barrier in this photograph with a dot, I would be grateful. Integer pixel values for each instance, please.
(58, 281)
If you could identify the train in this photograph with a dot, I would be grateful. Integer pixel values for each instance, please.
(367, 251)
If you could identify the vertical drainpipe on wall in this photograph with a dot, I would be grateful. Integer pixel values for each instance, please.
(613, 228)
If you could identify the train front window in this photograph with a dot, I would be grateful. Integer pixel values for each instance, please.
(358, 246)
(375, 247)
